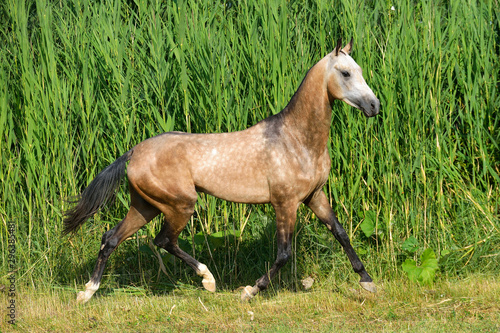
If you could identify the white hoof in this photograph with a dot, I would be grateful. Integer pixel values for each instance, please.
(209, 283)
(84, 296)
(307, 283)
(208, 279)
(370, 286)
(248, 293)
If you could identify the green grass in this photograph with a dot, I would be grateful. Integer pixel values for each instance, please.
(457, 305)
(81, 82)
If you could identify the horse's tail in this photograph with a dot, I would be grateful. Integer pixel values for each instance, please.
(99, 192)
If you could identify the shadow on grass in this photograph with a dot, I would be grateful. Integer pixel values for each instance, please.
(134, 268)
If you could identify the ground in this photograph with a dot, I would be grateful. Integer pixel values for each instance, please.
(459, 305)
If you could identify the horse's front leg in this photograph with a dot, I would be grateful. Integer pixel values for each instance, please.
(320, 206)
(286, 215)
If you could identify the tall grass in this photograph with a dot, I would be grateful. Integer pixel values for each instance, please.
(81, 82)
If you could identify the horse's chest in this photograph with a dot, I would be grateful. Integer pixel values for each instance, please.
(322, 170)
(304, 175)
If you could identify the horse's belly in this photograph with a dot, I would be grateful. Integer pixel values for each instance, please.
(237, 194)
(243, 185)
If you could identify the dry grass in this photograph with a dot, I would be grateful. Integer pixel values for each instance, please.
(470, 304)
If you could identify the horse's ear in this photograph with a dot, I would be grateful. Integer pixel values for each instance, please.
(348, 48)
(337, 48)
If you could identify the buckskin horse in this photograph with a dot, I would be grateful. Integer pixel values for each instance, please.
(282, 160)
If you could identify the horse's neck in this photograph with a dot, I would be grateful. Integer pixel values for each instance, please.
(308, 115)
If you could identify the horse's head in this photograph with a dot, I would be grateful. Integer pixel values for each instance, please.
(346, 82)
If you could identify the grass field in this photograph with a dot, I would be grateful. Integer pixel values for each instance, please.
(458, 305)
(81, 82)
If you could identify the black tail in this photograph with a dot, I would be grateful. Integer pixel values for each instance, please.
(99, 192)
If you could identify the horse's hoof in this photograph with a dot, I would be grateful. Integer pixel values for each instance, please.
(82, 297)
(208, 279)
(246, 294)
(209, 284)
(90, 289)
(370, 286)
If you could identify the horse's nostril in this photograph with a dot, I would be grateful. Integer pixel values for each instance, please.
(374, 106)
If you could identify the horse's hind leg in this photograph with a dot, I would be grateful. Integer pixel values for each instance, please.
(175, 221)
(139, 214)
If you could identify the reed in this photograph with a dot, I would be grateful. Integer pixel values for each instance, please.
(81, 82)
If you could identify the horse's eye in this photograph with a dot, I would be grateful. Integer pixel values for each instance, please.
(345, 73)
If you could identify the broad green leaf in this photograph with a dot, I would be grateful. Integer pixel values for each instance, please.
(424, 273)
(429, 266)
(227, 233)
(410, 245)
(199, 238)
(217, 239)
(427, 255)
(146, 249)
(410, 267)
(368, 225)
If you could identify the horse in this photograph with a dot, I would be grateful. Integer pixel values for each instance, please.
(282, 160)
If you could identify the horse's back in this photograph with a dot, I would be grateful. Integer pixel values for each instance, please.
(231, 166)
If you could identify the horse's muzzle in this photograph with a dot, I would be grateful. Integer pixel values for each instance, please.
(370, 107)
